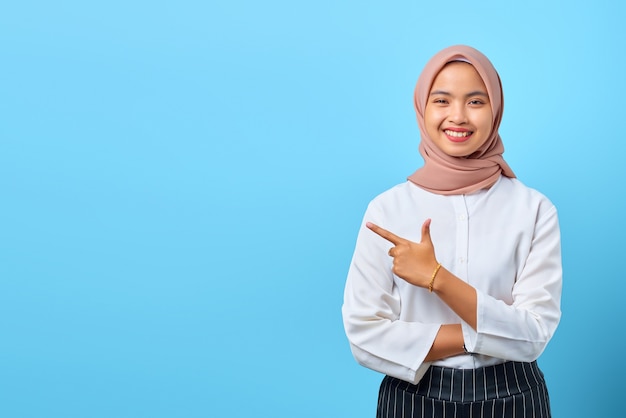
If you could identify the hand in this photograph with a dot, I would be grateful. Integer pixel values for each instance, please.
(412, 261)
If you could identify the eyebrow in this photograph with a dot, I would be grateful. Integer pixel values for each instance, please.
(470, 94)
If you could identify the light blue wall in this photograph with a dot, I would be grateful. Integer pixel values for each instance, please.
(182, 182)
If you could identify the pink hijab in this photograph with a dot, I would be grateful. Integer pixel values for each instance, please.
(441, 173)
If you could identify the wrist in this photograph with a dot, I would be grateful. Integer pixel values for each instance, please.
(433, 277)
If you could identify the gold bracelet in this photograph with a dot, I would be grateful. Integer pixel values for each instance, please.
(432, 279)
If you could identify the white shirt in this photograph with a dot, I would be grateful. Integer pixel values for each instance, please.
(504, 241)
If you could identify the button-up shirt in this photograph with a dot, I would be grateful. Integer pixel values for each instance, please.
(503, 241)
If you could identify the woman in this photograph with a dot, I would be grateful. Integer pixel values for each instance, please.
(455, 284)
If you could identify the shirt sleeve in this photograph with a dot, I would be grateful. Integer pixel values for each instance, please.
(379, 339)
(521, 330)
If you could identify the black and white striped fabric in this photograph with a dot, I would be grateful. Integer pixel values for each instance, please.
(507, 390)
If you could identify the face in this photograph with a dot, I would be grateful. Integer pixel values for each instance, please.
(458, 114)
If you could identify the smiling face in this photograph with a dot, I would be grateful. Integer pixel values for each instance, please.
(458, 115)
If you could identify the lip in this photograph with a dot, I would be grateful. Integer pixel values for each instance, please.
(457, 138)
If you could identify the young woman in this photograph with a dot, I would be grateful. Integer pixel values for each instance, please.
(455, 284)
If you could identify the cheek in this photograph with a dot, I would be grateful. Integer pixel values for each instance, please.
(431, 117)
(486, 120)
(431, 125)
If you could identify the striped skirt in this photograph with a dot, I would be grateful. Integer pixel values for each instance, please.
(507, 390)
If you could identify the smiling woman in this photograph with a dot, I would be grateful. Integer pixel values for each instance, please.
(456, 317)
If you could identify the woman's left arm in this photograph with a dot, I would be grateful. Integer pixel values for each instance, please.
(521, 329)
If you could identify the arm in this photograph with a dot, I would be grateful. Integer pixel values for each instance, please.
(516, 330)
(448, 342)
(520, 328)
(379, 338)
(416, 263)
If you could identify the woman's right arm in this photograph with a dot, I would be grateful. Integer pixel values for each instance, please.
(379, 339)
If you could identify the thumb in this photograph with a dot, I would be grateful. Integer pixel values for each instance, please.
(426, 232)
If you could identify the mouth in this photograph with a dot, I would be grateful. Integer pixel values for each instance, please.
(457, 136)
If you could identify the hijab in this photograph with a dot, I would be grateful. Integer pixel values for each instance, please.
(442, 173)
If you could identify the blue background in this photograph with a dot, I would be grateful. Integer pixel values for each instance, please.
(182, 183)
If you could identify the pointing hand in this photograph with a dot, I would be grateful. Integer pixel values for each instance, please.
(412, 261)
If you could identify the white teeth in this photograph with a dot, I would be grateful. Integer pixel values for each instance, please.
(458, 134)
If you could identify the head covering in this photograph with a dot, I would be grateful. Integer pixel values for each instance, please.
(442, 173)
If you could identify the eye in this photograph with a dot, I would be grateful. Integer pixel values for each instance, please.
(476, 102)
(440, 101)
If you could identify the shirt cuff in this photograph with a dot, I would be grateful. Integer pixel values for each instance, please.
(469, 337)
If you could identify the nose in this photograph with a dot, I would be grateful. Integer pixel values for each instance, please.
(458, 113)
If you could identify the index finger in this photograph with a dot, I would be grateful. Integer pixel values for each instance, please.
(389, 236)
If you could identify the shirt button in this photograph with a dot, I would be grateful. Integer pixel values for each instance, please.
(461, 217)
(461, 260)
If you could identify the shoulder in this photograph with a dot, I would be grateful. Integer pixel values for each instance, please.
(401, 195)
(515, 186)
(395, 192)
(515, 192)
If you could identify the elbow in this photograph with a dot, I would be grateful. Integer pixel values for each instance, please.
(524, 351)
(525, 347)
(361, 356)
(545, 330)
(529, 351)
